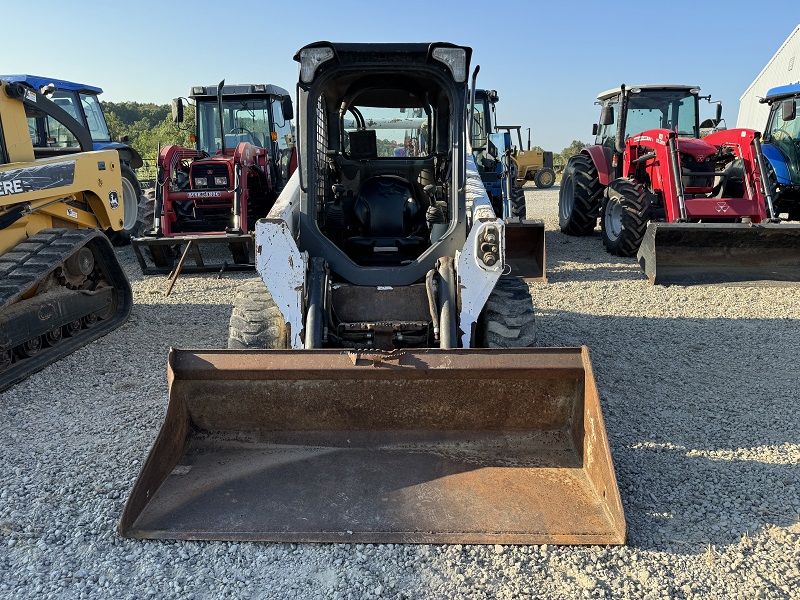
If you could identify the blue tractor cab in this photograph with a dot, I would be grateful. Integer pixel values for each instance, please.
(782, 147)
(51, 138)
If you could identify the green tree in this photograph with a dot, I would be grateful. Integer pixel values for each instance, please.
(574, 148)
(148, 126)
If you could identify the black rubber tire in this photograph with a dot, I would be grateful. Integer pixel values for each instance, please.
(508, 318)
(579, 196)
(544, 178)
(518, 208)
(626, 212)
(256, 321)
(131, 187)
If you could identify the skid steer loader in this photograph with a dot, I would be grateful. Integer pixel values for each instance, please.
(379, 385)
(61, 285)
(692, 210)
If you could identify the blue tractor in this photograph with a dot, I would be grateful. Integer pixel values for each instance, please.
(782, 147)
(51, 138)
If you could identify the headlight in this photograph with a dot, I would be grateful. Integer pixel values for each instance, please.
(200, 182)
(221, 181)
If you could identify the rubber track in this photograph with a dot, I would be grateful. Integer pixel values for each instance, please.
(30, 262)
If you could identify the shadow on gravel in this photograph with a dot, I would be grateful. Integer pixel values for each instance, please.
(701, 420)
(585, 259)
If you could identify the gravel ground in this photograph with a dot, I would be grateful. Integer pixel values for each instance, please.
(699, 392)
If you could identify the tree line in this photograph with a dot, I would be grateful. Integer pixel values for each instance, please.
(148, 127)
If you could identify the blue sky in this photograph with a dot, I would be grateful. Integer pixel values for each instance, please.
(548, 60)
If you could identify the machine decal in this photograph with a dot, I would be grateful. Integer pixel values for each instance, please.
(40, 177)
(113, 200)
(71, 212)
(204, 194)
(722, 207)
(11, 187)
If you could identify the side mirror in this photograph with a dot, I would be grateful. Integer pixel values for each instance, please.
(719, 112)
(788, 110)
(286, 107)
(595, 129)
(177, 110)
(607, 115)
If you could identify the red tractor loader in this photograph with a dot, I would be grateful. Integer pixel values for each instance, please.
(215, 193)
(692, 210)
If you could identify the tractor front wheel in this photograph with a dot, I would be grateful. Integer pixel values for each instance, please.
(625, 214)
(544, 178)
(579, 196)
(256, 321)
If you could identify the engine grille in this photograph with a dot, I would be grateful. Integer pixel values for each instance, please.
(689, 166)
(210, 171)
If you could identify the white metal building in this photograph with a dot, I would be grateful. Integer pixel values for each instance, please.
(782, 69)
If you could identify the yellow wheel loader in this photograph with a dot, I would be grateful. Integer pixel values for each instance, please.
(61, 285)
(380, 384)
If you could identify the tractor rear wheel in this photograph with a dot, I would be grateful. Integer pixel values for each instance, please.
(625, 214)
(544, 178)
(518, 208)
(256, 321)
(579, 197)
(508, 318)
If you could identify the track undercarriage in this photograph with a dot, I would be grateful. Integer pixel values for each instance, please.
(60, 290)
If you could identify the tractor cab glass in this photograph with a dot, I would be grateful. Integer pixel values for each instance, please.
(675, 110)
(243, 121)
(607, 128)
(94, 118)
(399, 132)
(784, 133)
(479, 125)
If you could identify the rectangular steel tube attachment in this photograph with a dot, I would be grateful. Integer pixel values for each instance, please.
(422, 446)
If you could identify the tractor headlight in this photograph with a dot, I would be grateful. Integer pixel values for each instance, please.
(200, 182)
(310, 59)
(223, 181)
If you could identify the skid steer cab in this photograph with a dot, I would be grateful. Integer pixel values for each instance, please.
(215, 192)
(692, 210)
(380, 383)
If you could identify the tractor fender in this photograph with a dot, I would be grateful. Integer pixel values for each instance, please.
(127, 154)
(601, 157)
(778, 162)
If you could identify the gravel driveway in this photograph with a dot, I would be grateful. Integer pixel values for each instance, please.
(699, 388)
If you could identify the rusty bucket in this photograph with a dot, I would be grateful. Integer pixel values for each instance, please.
(423, 446)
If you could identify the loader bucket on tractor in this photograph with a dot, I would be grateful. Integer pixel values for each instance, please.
(709, 253)
(417, 446)
(525, 249)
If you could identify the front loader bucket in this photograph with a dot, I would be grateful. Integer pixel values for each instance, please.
(525, 250)
(422, 446)
(710, 253)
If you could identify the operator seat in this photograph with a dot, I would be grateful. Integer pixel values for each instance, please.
(391, 223)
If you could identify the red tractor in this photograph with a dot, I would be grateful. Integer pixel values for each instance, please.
(695, 210)
(216, 192)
